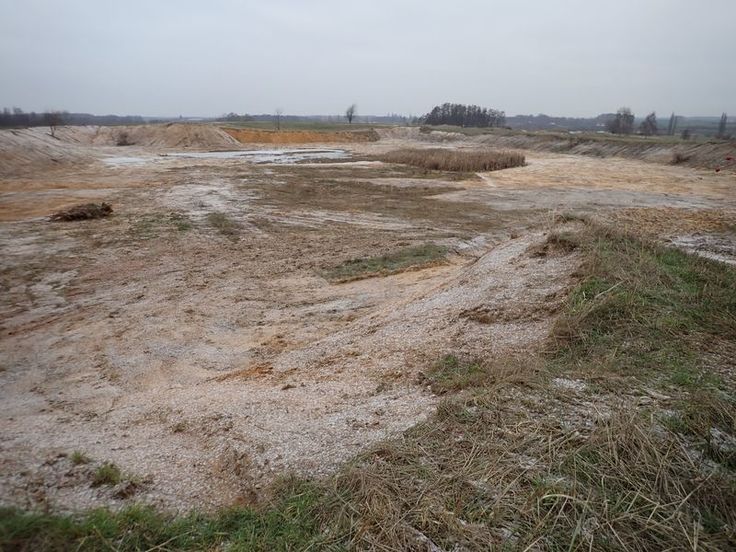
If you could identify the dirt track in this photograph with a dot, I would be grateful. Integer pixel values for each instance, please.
(203, 363)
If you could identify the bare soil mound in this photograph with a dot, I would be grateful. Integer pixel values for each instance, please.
(253, 136)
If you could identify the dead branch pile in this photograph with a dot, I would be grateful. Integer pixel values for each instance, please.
(84, 211)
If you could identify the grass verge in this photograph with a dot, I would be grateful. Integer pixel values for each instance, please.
(391, 263)
(620, 437)
(290, 523)
(455, 160)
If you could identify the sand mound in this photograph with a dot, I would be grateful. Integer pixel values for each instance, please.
(516, 291)
(419, 134)
(694, 154)
(23, 150)
(172, 135)
(701, 155)
(253, 136)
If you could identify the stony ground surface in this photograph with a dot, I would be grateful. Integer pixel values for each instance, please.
(193, 340)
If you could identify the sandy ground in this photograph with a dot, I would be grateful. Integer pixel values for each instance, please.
(205, 364)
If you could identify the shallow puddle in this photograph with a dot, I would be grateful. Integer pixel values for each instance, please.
(280, 156)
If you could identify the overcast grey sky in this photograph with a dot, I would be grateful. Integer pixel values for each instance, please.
(560, 57)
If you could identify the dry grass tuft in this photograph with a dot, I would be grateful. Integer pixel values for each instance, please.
(455, 160)
(106, 474)
(557, 243)
(484, 474)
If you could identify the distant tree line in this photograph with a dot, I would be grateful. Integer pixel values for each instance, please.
(16, 118)
(234, 117)
(391, 118)
(464, 116)
(542, 121)
(621, 123)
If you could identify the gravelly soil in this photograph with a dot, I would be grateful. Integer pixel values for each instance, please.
(205, 357)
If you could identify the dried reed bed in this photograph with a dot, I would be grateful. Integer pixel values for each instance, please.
(455, 160)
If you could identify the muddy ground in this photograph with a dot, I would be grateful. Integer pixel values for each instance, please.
(204, 359)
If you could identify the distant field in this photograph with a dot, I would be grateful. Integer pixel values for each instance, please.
(302, 125)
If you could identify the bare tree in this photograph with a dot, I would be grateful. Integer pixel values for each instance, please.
(350, 113)
(52, 119)
(672, 125)
(722, 126)
(622, 122)
(279, 112)
(648, 126)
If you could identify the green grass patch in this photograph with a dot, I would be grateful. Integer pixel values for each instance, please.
(180, 222)
(391, 263)
(78, 458)
(642, 308)
(107, 474)
(452, 374)
(290, 523)
(223, 224)
(153, 225)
